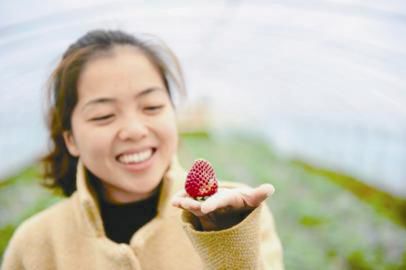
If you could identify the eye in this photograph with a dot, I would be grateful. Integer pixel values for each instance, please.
(153, 108)
(101, 118)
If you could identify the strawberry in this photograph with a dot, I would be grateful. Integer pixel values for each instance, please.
(201, 180)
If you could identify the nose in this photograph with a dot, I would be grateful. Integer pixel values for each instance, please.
(133, 129)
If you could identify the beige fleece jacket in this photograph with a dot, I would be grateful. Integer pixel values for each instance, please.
(70, 235)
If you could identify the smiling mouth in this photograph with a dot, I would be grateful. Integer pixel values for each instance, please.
(135, 158)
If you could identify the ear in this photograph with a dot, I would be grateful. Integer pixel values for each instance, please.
(70, 143)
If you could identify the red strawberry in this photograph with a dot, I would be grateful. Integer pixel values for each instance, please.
(201, 180)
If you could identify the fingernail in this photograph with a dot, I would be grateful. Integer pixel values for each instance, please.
(269, 188)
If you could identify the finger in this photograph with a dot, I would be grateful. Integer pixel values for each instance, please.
(175, 200)
(222, 200)
(191, 205)
(254, 197)
(267, 188)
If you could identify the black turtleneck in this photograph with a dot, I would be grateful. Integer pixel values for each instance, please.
(121, 221)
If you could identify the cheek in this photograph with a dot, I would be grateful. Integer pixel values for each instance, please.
(93, 141)
(169, 134)
(173, 139)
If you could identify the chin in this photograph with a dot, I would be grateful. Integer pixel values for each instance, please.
(144, 188)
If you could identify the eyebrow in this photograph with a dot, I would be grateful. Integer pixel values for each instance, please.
(103, 100)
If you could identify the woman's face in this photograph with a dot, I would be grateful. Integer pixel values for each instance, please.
(123, 126)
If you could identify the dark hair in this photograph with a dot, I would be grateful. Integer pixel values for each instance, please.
(59, 166)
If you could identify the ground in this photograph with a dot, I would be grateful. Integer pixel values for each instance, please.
(322, 223)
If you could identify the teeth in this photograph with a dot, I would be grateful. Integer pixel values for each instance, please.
(136, 158)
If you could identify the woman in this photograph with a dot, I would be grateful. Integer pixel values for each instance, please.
(113, 128)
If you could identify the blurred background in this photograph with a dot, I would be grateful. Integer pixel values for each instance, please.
(307, 95)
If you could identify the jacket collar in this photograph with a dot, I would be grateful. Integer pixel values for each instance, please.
(89, 207)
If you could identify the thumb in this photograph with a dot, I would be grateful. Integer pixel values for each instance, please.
(259, 194)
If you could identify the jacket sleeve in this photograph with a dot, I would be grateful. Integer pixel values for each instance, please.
(250, 244)
(12, 257)
(271, 248)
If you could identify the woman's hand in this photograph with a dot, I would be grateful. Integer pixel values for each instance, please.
(225, 208)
